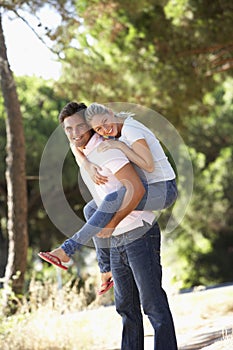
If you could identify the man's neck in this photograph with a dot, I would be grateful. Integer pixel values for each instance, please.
(81, 148)
(84, 146)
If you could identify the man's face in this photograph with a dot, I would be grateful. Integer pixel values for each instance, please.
(77, 130)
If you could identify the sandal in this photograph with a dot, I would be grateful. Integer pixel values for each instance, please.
(106, 286)
(52, 259)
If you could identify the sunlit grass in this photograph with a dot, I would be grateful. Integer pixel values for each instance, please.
(49, 318)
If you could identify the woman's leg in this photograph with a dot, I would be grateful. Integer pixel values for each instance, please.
(97, 221)
(159, 195)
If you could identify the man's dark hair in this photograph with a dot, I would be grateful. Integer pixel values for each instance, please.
(72, 108)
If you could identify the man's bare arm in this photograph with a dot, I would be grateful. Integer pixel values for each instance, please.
(133, 195)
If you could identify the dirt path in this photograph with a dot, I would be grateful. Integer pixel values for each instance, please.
(203, 320)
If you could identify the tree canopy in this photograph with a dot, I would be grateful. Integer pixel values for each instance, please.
(163, 54)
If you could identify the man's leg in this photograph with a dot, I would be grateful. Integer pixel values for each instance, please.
(127, 300)
(103, 253)
(144, 260)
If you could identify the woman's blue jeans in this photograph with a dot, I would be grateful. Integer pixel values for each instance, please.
(137, 273)
(158, 196)
(97, 218)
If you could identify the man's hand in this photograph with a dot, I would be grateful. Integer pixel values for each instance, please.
(105, 232)
(93, 171)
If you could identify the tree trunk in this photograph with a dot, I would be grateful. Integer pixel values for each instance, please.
(15, 176)
(3, 256)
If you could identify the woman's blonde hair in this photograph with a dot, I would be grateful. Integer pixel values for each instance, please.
(98, 109)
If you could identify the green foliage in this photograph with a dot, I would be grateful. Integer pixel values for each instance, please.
(162, 54)
(203, 241)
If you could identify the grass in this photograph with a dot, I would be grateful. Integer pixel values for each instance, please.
(51, 319)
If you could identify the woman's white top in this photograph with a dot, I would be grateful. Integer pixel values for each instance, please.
(132, 131)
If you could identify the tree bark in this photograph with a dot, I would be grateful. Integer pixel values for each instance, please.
(15, 176)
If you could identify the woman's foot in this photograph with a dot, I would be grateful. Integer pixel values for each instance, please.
(56, 257)
(60, 253)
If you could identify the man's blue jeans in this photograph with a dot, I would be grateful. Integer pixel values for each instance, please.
(137, 273)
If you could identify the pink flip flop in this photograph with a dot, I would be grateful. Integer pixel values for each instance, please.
(52, 259)
(107, 285)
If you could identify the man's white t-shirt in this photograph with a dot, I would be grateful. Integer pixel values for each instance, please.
(132, 130)
(111, 161)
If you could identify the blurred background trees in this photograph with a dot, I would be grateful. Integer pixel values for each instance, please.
(173, 56)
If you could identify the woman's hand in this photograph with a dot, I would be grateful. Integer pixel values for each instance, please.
(105, 145)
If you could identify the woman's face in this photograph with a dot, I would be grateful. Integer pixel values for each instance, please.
(105, 125)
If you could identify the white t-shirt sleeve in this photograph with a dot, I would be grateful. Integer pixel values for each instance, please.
(131, 134)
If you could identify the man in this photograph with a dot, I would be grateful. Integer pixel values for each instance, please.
(134, 243)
